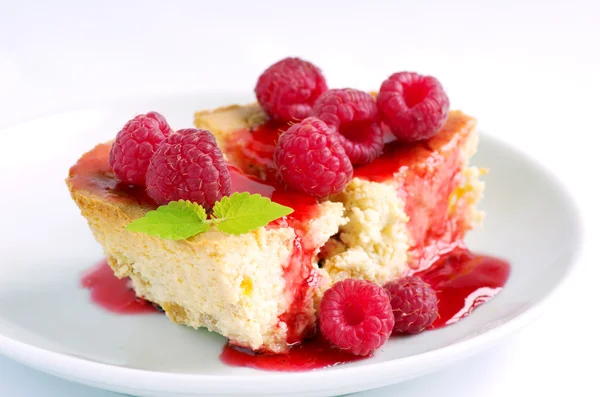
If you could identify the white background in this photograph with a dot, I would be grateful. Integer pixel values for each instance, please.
(528, 70)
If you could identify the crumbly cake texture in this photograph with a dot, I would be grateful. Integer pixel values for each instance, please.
(243, 286)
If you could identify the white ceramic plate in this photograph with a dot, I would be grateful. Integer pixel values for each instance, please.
(48, 322)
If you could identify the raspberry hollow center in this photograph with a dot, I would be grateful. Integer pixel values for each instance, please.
(357, 131)
(354, 313)
(415, 93)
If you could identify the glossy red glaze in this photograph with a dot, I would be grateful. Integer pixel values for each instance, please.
(93, 173)
(313, 354)
(112, 293)
(301, 279)
(463, 281)
(252, 149)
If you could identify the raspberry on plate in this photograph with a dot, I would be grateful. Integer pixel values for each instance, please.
(356, 315)
(134, 146)
(188, 165)
(414, 304)
(353, 114)
(310, 158)
(414, 106)
(288, 89)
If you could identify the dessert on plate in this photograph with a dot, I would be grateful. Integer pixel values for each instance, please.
(311, 210)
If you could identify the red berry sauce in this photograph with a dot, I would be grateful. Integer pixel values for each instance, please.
(252, 149)
(112, 293)
(463, 281)
(314, 353)
(93, 173)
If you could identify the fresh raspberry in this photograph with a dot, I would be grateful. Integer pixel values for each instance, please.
(188, 165)
(414, 304)
(162, 122)
(356, 315)
(288, 89)
(134, 146)
(353, 114)
(414, 106)
(310, 158)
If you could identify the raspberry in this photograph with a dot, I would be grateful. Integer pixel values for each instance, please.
(288, 89)
(310, 158)
(414, 304)
(414, 106)
(356, 315)
(162, 123)
(134, 146)
(188, 165)
(353, 114)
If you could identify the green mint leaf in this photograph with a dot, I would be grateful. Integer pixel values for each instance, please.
(177, 220)
(243, 212)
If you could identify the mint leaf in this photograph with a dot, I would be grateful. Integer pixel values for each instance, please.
(243, 212)
(177, 220)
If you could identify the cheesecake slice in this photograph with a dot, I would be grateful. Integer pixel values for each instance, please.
(262, 289)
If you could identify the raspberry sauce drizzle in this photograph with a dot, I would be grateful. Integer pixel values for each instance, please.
(113, 294)
(464, 281)
(312, 354)
(252, 149)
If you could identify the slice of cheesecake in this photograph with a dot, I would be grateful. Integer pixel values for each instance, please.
(262, 289)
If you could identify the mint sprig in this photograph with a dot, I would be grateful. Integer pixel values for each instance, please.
(177, 220)
(237, 214)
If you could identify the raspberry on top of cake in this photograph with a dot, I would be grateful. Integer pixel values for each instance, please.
(342, 185)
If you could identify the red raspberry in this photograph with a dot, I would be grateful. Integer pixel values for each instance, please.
(310, 159)
(414, 304)
(188, 165)
(353, 114)
(415, 107)
(356, 315)
(162, 123)
(288, 89)
(134, 146)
